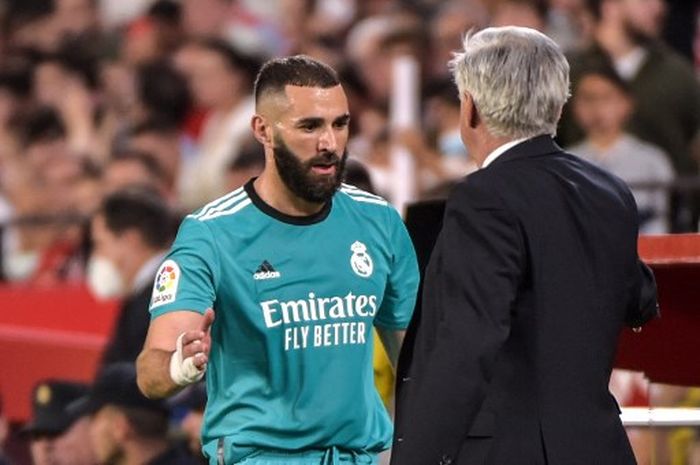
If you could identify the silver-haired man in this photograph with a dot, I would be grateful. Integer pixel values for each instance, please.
(533, 277)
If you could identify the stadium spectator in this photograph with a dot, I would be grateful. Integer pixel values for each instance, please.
(248, 164)
(220, 83)
(602, 105)
(125, 427)
(57, 436)
(626, 37)
(133, 167)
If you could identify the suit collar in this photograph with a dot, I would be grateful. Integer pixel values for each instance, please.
(538, 145)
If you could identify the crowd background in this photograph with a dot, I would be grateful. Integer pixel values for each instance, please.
(119, 116)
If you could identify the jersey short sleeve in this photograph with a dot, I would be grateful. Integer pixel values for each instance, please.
(402, 283)
(187, 279)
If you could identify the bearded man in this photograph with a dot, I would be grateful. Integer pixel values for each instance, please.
(298, 268)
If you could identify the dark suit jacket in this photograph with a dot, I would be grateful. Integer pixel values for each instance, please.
(130, 330)
(533, 276)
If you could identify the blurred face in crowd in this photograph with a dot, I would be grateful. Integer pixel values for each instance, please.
(41, 450)
(192, 427)
(643, 19)
(106, 434)
(75, 16)
(310, 145)
(517, 14)
(600, 107)
(122, 173)
(49, 81)
(213, 81)
(205, 18)
(165, 148)
(73, 446)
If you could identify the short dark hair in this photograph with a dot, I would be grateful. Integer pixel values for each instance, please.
(250, 156)
(164, 91)
(298, 70)
(145, 159)
(608, 73)
(595, 8)
(142, 209)
(234, 58)
(41, 124)
(147, 424)
(163, 126)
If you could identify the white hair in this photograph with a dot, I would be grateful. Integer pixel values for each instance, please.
(517, 77)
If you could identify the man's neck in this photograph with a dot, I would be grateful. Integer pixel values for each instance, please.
(488, 145)
(604, 140)
(272, 190)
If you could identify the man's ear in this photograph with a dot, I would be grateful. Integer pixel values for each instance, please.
(262, 130)
(470, 114)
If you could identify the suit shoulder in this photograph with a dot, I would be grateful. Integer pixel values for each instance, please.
(480, 189)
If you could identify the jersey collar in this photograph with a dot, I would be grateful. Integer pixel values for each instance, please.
(283, 217)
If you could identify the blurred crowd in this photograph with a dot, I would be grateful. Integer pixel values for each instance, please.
(98, 95)
(119, 116)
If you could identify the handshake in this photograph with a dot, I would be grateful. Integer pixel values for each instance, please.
(189, 361)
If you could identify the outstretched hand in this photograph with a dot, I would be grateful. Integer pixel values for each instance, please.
(197, 343)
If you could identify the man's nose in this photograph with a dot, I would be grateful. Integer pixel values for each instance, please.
(327, 141)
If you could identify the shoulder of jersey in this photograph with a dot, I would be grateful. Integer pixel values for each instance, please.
(358, 195)
(225, 206)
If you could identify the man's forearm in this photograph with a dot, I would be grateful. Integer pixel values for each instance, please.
(153, 374)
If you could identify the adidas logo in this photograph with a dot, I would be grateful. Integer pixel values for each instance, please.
(266, 271)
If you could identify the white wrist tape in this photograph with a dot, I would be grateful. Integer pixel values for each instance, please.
(183, 372)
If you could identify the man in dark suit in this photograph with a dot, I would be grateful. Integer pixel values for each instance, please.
(533, 277)
(130, 232)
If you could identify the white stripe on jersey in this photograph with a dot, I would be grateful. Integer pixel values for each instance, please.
(230, 203)
(215, 203)
(239, 206)
(378, 201)
(350, 189)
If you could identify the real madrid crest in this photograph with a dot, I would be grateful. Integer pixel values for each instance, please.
(360, 261)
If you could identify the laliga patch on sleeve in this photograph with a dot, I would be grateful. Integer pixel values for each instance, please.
(165, 285)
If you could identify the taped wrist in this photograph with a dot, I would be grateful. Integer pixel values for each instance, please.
(183, 372)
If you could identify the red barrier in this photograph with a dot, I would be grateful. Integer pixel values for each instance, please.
(60, 333)
(48, 333)
(667, 349)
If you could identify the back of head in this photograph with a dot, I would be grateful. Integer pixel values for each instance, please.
(115, 386)
(297, 70)
(141, 209)
(517, 77)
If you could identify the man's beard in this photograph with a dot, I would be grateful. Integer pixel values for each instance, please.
(299, 178)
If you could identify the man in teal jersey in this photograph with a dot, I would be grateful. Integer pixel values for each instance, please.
(297, 268)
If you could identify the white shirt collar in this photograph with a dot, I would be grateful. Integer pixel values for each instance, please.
(500, 150)
(629, 65)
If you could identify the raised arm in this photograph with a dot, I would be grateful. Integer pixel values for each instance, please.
(163, 368)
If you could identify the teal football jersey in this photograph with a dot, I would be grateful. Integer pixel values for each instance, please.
(295, 300)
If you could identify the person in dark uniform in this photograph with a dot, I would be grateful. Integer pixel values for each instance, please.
(125, 426)
(56, 435)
